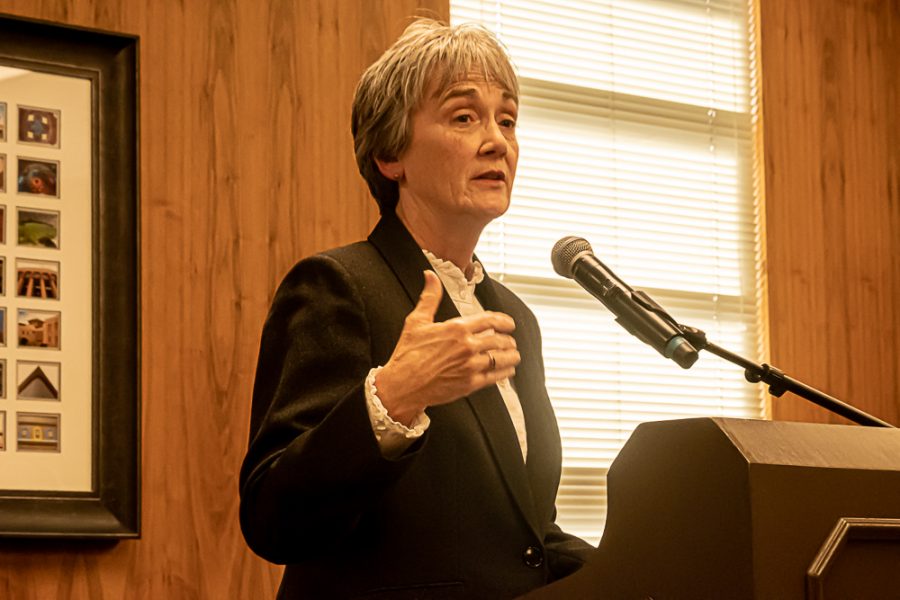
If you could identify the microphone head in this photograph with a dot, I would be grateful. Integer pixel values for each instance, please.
(566, 251)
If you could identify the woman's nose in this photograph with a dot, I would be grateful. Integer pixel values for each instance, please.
(494, 142)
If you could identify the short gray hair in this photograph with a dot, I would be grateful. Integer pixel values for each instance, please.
(395, 84)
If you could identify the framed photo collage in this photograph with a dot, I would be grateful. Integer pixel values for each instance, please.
(30, 267)
(69, 284)
(46, 272)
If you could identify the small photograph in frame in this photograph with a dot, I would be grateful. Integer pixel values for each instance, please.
(38, 228)
(2, 224)
(36, 279)
(39, 126)
(2, 378)
(37, 432)
(2, 121)
(2, 173)
(2, 326)
(38, 328)
(2, 276)
(39, 177)
(2, 430)
(37, 380)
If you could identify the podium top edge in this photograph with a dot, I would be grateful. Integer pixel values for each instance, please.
(790, 443)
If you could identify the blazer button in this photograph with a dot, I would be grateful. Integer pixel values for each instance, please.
(533, 557)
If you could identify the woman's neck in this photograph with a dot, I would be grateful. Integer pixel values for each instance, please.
(443, 237)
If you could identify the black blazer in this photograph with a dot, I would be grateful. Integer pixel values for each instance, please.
(459, 514)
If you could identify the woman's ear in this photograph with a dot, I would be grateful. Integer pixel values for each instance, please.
(392, 169)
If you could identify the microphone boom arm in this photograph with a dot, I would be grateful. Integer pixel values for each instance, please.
(779, 382)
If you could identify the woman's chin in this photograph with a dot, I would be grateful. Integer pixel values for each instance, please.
(491, 205)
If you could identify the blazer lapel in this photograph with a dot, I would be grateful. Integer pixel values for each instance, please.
(543, 434)
(403, 255)
(495, 417)
(406, 260)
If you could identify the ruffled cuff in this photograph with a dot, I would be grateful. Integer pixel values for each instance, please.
(393, 438)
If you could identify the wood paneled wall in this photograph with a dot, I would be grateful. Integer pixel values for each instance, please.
(831, 111)
(246, 165)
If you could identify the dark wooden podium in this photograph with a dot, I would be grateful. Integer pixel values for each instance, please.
(732, 509)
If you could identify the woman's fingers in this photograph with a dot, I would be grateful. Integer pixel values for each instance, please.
(435, 363)
(498, 360)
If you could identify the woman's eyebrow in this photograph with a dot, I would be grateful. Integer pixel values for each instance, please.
(467, 92)
(470, 92)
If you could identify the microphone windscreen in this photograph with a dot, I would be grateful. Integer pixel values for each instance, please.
(565, 251)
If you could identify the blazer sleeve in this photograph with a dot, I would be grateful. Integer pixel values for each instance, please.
(566, 553)
(313, 465)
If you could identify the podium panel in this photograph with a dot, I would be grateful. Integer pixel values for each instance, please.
(738, 509)
(860, 560)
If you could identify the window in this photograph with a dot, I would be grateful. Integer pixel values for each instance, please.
(636, 133)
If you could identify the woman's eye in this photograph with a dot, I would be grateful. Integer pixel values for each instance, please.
(509, 123)
(463, 118)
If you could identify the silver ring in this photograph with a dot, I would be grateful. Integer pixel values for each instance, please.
(493, 361)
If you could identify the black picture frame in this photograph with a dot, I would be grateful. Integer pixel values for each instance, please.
(109, 61)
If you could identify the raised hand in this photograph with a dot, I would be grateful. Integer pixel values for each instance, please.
(437, 363)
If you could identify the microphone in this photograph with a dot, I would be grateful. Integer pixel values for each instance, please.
(643, 318)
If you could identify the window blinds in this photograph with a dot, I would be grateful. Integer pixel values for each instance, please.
(635, 133)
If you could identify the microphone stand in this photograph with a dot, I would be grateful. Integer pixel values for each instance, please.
(779, 383)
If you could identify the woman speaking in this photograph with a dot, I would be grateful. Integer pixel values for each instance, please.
(402, 443)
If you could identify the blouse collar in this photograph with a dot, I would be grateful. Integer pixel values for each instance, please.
(458, 286)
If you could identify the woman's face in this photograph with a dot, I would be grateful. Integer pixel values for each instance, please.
(461, 159)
